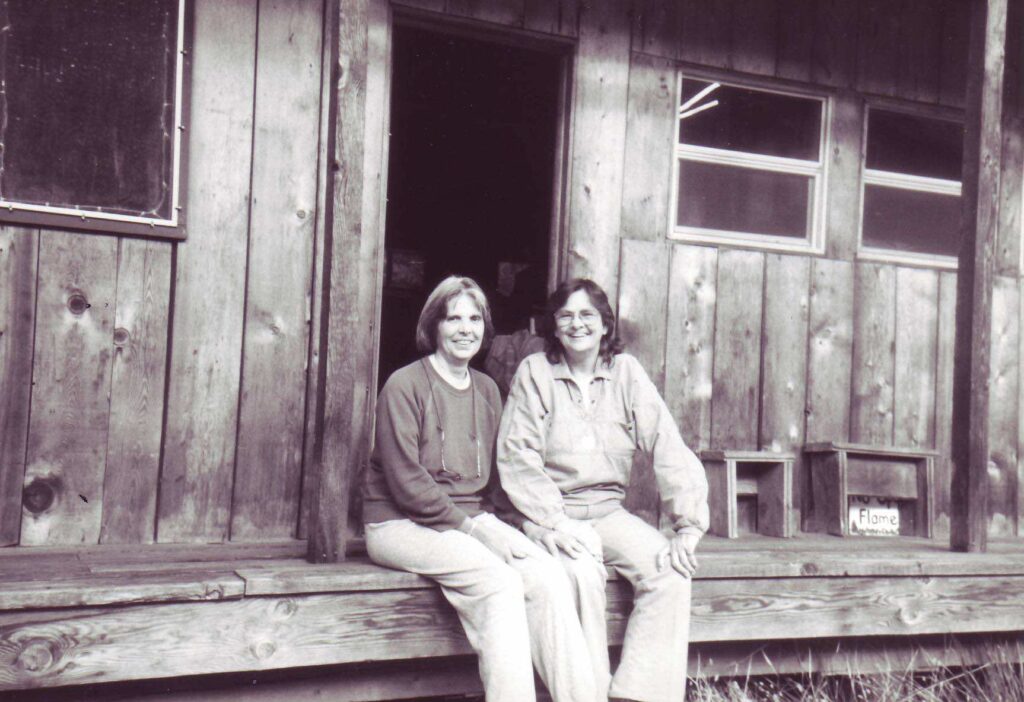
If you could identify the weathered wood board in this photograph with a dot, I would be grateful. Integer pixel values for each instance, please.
(209, 287)
(917, 300)
(1003, 425)
(690, 341)
(19, 251)
(268, 471)
(136, 392)
(737, 361)
(874, 341)
(71, 370)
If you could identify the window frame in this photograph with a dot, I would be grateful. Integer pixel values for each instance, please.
(903, 181)
(100, 222)
(814, 242)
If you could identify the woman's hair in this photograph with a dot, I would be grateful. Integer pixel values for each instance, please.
(435, 309)
(611, 344)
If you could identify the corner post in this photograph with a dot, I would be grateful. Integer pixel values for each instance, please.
(979, 225)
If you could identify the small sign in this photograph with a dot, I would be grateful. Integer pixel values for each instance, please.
(873, 516)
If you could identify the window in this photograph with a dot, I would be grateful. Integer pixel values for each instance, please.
(911, 198)
(749, 166)
(91, 115)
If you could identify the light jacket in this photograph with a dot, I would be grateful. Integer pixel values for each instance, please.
(553, 451)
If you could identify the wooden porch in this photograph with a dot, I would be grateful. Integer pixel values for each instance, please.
(100, 615)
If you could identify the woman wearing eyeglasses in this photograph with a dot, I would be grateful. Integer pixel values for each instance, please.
(575, 416)
(429, 500)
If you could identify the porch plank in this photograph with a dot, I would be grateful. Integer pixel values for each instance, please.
(263, 633)
(131, 588)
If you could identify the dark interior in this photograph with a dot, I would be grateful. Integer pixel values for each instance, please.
(470, 179)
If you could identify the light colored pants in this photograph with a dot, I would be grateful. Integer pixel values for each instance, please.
(509, 611)
(654, 652)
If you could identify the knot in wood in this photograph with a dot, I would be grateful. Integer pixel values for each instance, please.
(36, 656)
(284, 609)
(263, 650)
(121, 336)
(78, 304)
(39, 495)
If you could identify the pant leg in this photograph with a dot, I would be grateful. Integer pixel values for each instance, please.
(654, 652)
(486, 593)
(560, 651)
(588, 580)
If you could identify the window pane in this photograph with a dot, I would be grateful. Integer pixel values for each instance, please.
(909, 220)
(753, 121)
(729, 198)
(914, 145)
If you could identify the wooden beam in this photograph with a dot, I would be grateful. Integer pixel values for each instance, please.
(348, 317)
(980, 222)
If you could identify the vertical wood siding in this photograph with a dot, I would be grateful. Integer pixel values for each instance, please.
(19, 251)
(268, 470)
(136, 391)
(751, 350)
(209, 293)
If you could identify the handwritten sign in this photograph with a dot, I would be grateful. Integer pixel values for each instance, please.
(871, 516)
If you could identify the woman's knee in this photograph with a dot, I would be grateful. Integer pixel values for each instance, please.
(667, 583)
(501, 580)
(586, 574)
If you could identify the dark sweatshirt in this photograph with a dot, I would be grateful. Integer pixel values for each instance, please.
(406, 479)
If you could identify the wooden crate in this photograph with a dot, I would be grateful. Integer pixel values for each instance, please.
(840, 471)
(750, 486)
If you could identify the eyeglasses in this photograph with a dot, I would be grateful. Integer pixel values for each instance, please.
(586, 317)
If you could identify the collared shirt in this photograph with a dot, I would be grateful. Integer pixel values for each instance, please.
(556, 449)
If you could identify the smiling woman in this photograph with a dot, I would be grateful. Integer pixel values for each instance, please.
(431, 500)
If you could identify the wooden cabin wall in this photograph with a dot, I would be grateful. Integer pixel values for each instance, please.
(155, 391)
(768, 351)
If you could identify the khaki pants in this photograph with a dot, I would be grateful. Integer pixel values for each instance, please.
(508, 611)
(654, 652)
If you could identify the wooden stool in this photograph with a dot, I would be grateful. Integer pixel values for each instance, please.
(840, 471)
(758, 478)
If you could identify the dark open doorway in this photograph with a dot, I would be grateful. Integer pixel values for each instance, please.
(472, 173)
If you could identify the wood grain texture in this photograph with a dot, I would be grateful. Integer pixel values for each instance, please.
(975, 267)
(721, 476)
(314, 388)
(918, 50)
(796, 22)
(118, 588)
(834, 51)
(917, 315)
(349, 310)
(268, 470)
(944, 401)
(1020, 414)
(953, 62)
(508, 13)
(644, 276)
(874, 341)
(755, 38)
(656, 28)
(643, 291)
(843, 216)
(264, 633)
(649, 149)
(1011, 180)
(690, 341)
(137, 391)
(67, 438)
(830, 350)
(598, 136)
(734, 406)
(878, 46)
(19, 259)
(1003, 422)
(784, 358)
(706, 37)
(209, 290)
(559, 17)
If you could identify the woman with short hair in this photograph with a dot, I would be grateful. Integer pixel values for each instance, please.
(575, 417)
(429, 502)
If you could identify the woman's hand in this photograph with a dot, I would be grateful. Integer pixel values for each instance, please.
(495, 540)
(554, 541)
(681, 552)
